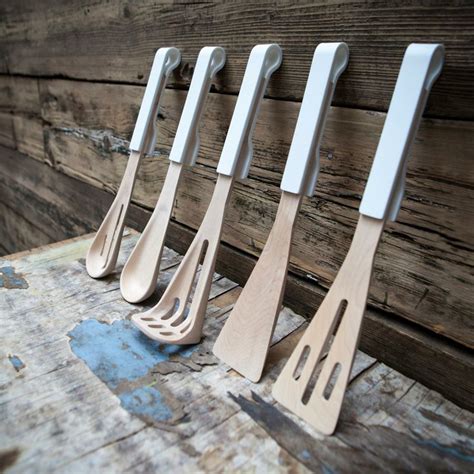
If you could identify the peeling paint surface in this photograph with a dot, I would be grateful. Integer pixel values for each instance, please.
(96, 394)
(11, 280)
(124, 359)
(146, 401)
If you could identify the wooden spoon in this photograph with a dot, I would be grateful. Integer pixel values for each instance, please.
(313, 392)
(245, 338)
(173, 319)
(140, 273)
(103, 252)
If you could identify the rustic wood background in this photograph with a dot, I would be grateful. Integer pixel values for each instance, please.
(72, 76)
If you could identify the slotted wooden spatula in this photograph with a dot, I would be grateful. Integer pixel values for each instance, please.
(103, 252)
(313, 392)
(176, 319)
(140, 273)
(245, 338)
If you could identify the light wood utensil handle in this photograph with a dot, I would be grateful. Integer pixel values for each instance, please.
(103, 252)
(102, 255)
(140, 273)
(245, 338)
(173, 320)
(298, 387)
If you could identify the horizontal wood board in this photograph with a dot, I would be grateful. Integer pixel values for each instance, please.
(115, 42)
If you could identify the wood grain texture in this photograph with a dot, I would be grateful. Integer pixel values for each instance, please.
(102, 255)
(55, 197)
(140, 272)
(115, 42)
(178, 317)
(18, 232)
(85, 136)
(245, 339)
(313, 382)
(183, 410)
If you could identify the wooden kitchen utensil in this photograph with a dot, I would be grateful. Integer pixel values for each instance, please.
(245, 338)
(313, 392)
(103, 252)
(140, 273)
(176, 319)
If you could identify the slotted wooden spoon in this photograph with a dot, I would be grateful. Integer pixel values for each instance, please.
(173, 319)
(317, 397)
(140, 273)
(103, 252)
(245, 338)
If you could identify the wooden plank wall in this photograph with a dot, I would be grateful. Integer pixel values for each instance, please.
(72, 75)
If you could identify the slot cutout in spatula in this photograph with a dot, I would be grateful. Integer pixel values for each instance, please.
(319, 400)
(245, 338)
(184, 326)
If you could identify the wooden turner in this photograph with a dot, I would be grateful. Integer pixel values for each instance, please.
(103, 252)
(245, 338)
(171, 320)
(313, 392)
(140, 273)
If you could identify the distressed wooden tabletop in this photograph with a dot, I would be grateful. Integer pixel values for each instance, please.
(81, 389)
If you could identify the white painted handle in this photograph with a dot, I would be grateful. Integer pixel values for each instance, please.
(186, 143)
(302, 166)
(237, 152)
(144, 134)
(384, 191)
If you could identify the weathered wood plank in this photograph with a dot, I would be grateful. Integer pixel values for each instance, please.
(429, 240)
(57, 367)
(7, 133)
(432, 360)
(83, 390)
(19, 95)
(21, 125)
(17, 232)
(29, 138)
(115, 41)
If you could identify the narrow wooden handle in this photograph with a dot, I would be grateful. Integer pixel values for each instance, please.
(140, 273)
(170, 321)
(103, 252)
(245, 338)
(299, 387)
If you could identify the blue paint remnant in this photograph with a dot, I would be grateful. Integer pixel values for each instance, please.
(305, 454)
(121, 356)
(146, 401)
(16, 362)
(11, 280)
(119, 352)
(449, 450)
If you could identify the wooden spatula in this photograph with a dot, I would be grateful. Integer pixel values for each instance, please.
(140, 273)
(313, 392)
(176, 319)
(103, 252)
(245, 338)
